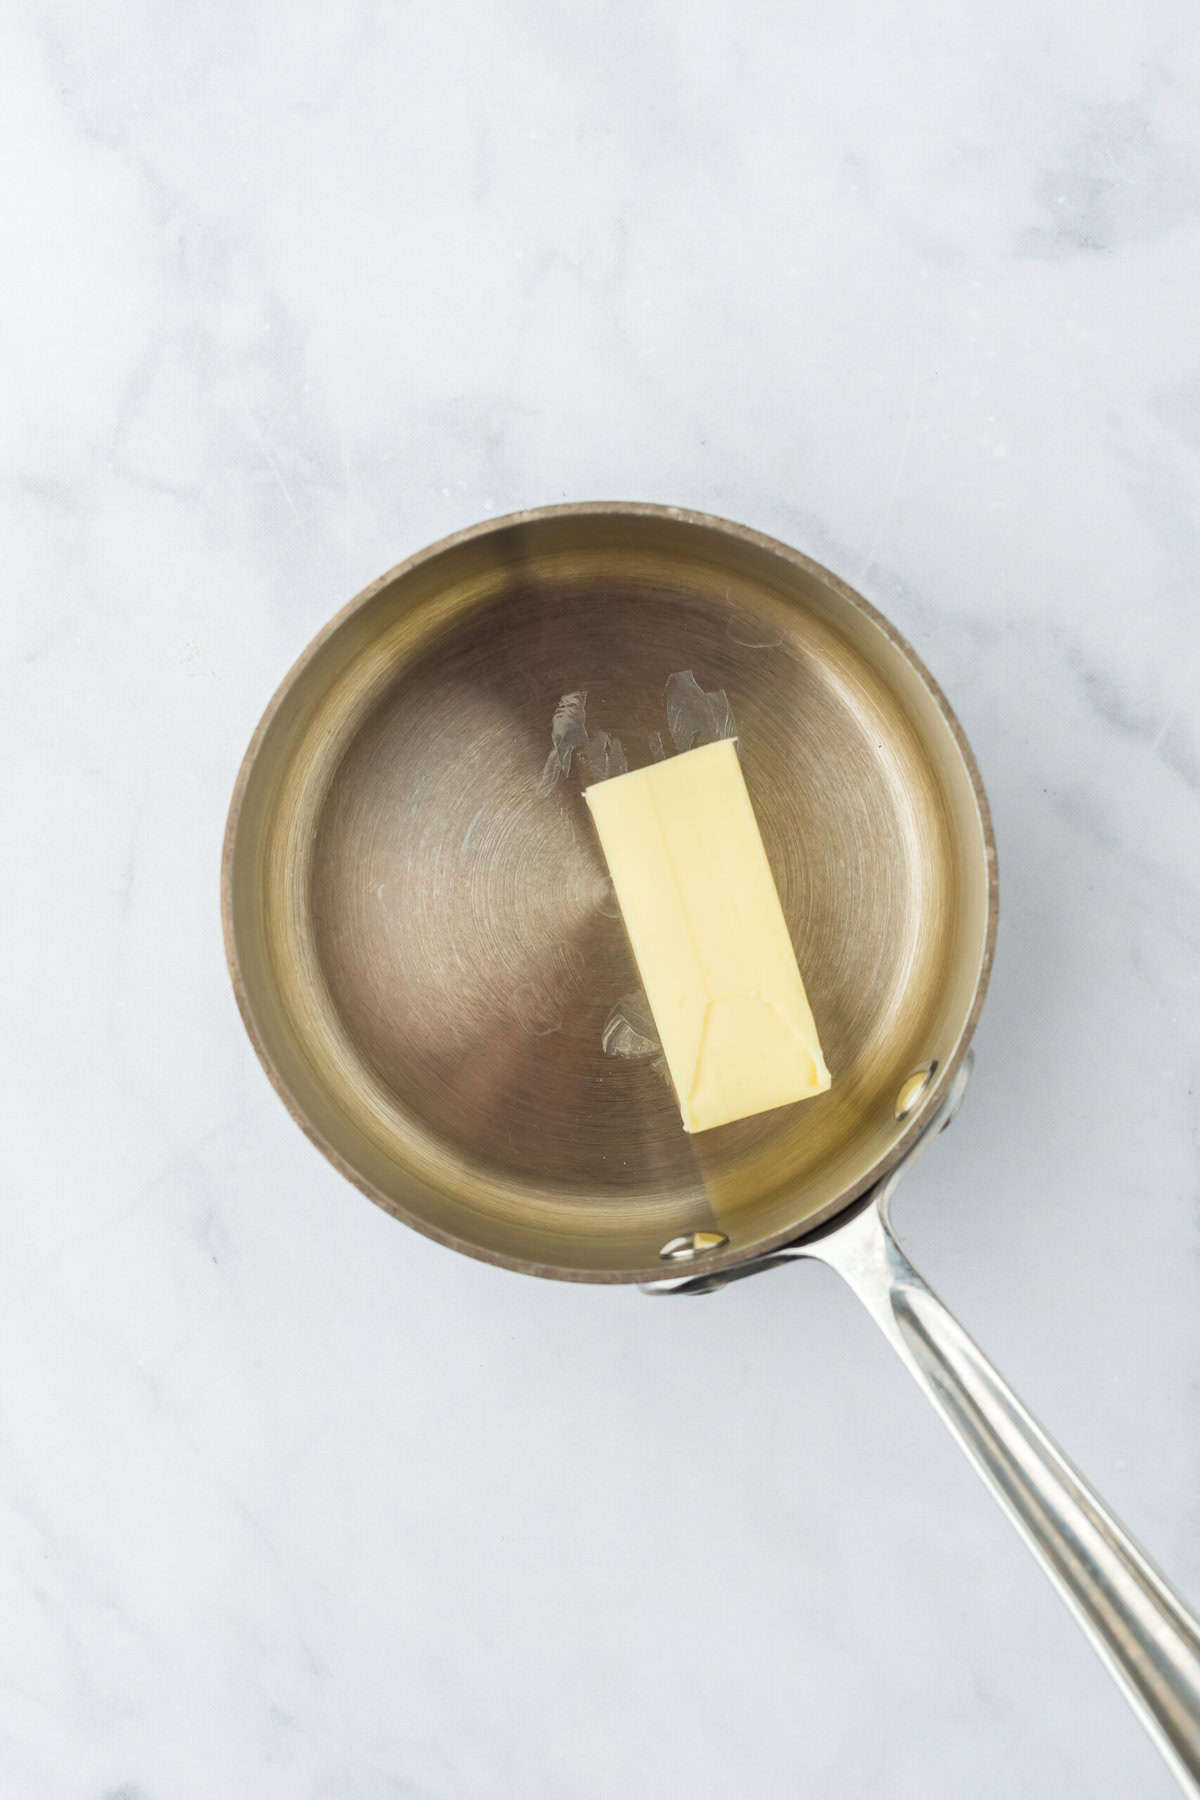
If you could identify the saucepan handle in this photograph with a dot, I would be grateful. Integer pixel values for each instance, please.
(1141, 1628)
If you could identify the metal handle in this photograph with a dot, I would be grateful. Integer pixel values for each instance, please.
(1142, 1629)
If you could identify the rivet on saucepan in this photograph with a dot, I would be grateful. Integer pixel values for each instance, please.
(692, 1245)
(912, 1088)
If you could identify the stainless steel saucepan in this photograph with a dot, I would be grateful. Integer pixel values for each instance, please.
(430, 963)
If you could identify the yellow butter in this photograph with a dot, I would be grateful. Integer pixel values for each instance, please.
(712, 945)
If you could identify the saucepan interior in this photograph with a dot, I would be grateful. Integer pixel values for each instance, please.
(424, 942)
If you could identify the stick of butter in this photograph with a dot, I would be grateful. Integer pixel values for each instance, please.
(709, 935)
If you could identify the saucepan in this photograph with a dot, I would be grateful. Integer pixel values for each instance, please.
(432, 967)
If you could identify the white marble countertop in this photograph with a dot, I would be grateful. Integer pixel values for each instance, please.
(293, 1504)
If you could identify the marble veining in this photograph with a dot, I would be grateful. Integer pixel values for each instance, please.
(293, 1503)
